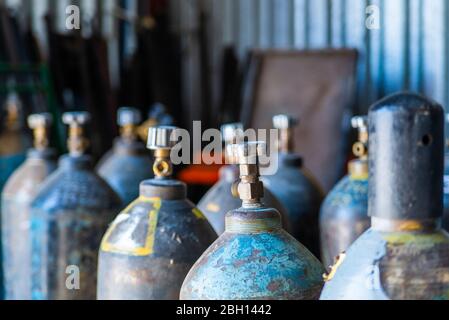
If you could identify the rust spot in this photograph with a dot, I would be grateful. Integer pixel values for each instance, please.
(274, 285)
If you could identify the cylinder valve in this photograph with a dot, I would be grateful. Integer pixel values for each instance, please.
(128, 119)
(40, 123)
(162, 139)
(77, 143)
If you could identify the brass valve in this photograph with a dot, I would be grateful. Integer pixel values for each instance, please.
(13, 107)
(40, 123)
(162, 139)
(360, 148)
(249, 188)
(232, 133)
(128, 119)
(77, 143)
(285, 124)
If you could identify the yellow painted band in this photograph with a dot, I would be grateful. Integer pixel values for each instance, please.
(198, 213)
(148, 247)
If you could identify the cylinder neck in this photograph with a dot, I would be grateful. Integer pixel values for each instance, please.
(253, 220)
(77, 143)
(403, 225)
(128, 132)
(165, 189)
(286, 141)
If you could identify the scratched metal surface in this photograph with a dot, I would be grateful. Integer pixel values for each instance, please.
(68, 217)
(397, 266)
(149, 249)
(343, 217)
(17, 196)
(218, 201)
(125, 168)
(302, 198)
(254, 259)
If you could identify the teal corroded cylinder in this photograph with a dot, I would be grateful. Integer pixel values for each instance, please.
(405, 253)
(71, 211)
(446, 184)
(123, 166)
(17, 196)
(219, 200)
(295, 188)
(14, 143)
(254, 258)
(344, 213)
(151, 245)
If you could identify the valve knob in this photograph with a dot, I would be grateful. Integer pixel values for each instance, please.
(162, 137)
(39, 120)
(360, 122)
(231, 132)
(76, 118)
(128, 116)
(284, 121)
(249, 152)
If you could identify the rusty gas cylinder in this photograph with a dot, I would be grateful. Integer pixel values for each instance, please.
(446, 183)
(19, 192)
(124, 166)
(14, 143)
(295, 187)
(405, 253)
(219, 200)
(68, 217)
(254, 258)
(344, 213)
(152, 244)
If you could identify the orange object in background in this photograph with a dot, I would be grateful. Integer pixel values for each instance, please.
(200, 174)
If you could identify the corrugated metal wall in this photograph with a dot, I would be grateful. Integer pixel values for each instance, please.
(408, 51)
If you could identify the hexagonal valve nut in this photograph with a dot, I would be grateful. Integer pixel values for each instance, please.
(76, 118)
(284, 121)
(162, 137)
(128, 116)
(40, 120)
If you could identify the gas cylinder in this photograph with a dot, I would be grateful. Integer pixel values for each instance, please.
(122, 167)
(151, 245)
(219, 199)
(68, 217)
(446, 183)
(405, 253)
(13, 140)
(254, 258)
(344, 213)
(19, 191)
(295, 187)
(13, 145)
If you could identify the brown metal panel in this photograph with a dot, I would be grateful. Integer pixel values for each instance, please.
(316, 86)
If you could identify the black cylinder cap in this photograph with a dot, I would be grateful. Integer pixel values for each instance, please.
(406, 143)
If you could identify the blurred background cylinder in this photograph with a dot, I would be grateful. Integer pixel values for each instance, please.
(19, 192)
(344, 213)
(128, 163)
(69, 214)
(151, 245)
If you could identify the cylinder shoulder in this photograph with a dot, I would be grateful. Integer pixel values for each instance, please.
(151, 227)
(73, 189)
(270, 265)
(347, 193)
(396, 266)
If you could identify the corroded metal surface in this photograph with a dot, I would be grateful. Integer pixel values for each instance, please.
(254, 258)
(343, 217)
(68, 217)
(381, 265)
(17, 195)
(300, 196)
(446, 194)
(150, 247)
(125, 167)
(219, 200)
